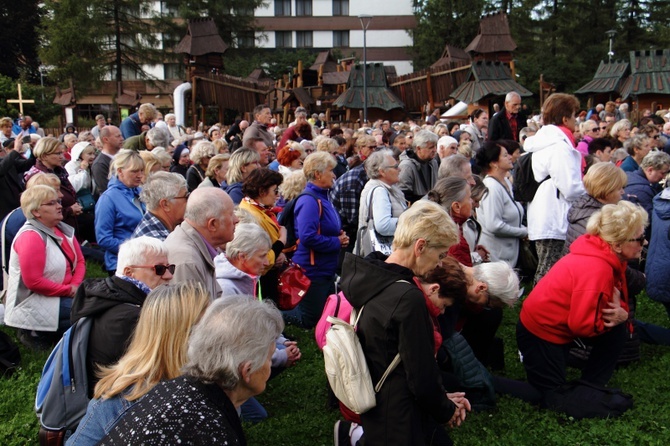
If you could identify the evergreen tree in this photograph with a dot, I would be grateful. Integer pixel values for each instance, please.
(19, 20)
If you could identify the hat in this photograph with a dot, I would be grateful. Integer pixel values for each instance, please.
(446, 141)
(8, 142)
(198, 135)
(78, 148)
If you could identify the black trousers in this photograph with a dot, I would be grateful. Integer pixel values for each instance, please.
(546, 362)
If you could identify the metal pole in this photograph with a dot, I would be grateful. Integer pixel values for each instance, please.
(365, 22)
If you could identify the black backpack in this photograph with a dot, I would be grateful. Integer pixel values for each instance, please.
(580, 399)
(525, 186)
(10, 356)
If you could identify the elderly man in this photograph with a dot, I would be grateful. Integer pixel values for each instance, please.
(259, 128)
(258, 144)
(114, 303)
(209, 223)
(111, 139)
(165, 195)
(132, 125)
(446, 146)
(419, 167)
(506, 123)
(156, 137)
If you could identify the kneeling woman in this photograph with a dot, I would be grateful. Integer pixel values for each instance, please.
(583, 296)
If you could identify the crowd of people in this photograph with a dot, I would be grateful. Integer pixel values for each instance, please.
(420, 223)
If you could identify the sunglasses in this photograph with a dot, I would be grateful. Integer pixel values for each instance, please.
(641, 239)
(603, 128)
(158, 269)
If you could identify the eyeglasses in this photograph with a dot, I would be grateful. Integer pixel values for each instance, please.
(594, 129)
(657, 137)
(158, 269)
(371, 147)
(253, 162)
(641, 239)
(185, 197)
(58, 153)
(603, 128)
(52, 203)
(308, 151)
(395, 166)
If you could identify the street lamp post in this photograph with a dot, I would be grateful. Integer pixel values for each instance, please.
(610, 34)
(365, 22)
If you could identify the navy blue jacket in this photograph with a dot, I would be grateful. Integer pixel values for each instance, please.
(658, 256)
(641, 191)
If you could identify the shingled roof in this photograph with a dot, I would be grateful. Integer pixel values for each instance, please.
(650, 73)
(608, 78)
(202, 38)
(379, 95)
(487, 79)
(451, 54)
(326, 59)
(494, 35)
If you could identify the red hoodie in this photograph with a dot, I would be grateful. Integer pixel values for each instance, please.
(568, 302)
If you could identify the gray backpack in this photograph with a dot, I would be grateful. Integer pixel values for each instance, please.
(62, 393)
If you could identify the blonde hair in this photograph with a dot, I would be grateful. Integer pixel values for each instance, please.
(425, 220)
(44, 179)
(126, 159)
(215, 163)
(150, 160)
(158, 347)
(46, 146)
(317, 162)
(617, 223)
(604, 178)
(202, 149)
(293, 184)
(327, 145)
(238, 160)
(31, 199)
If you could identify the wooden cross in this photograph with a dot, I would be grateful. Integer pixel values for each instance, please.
(20, 100)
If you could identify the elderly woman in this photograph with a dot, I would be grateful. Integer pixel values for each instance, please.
(318, 227)
(479, 124)
(583, 296)
(637, 148)
(620, 133)
(261, 191)
(119, 209)
(156, 352)
(382, 201)
(49, 153)
(499, 214)
(46, 267)
(175, 130)
(419, 167)
(291, 158)
(241, 164)
(181, 160)
(114, 303)
(216, 171)
(590, 131)
(604, 184)
(229, 358)
(412, 405)
(163, 157)
(5, 129)
(554, 156)
(202, 152)
(643, 183)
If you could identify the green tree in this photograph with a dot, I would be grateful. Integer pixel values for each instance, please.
(19, 20)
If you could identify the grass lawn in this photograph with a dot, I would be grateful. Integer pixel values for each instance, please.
(296, 401)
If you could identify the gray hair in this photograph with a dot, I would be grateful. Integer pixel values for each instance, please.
(300, 111)
(618, 126)
(203, 149)
(317, 162)
(135, 251)
(656, 160)
(448, 191)
(634, 142)
(421, 138)
(234, 331)
(158, 137)
(249, 238)
(239, 159)
(161, 186)
(452, 166)
(511, 95)
(502, 281)
(205, 203)
(375, 162)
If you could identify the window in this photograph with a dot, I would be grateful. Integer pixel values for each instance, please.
(303, 39)
(173, 71)
(283, 39)
(246, 39)
(340, 7)
(303, 7)
(340, 39)
(282, 8)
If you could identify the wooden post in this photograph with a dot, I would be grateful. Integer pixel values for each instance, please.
(193, 103)
(20, 100)
(287, 107)
(300, 83)
(430, 91)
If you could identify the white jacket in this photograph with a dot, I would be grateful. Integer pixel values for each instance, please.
(79, 178)
(25, 308)
(554, 155)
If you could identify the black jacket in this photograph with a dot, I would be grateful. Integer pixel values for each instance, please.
(11, 180)
(114, 305)
(499, 127)
(395, 320)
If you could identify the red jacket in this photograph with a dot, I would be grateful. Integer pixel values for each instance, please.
(568, 302)
(461, 250)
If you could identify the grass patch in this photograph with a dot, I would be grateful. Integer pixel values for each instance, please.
(296, 401)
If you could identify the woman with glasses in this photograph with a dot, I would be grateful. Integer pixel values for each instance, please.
(46, 267)
(242, 162)
(50, 159)
(590, 131)
(583, 298)
(114, 303)
(382, 201)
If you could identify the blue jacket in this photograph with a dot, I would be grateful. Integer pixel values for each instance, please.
(658, 256)
(235, 192)
(116, 217)
(629, 164)
(101, 416)
(131, 126)
(324, 243)
(641, 191)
